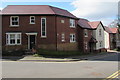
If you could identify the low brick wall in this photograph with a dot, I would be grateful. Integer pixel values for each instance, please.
(67, 47)
(47, 46)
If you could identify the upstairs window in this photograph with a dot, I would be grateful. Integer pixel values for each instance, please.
(13, 38)
(85, 33)
(72, 23)
(62, 21)
(14, 21)
(43, 27)
(72, 38)
(100, 32)
(32, 19)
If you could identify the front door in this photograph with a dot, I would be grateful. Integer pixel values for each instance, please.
(32, 41)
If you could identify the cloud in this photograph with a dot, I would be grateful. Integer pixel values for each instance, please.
(1, 8)
(96, 9)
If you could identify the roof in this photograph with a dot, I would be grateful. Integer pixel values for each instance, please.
(94, 24)
(84, 23)
(113, 30)
(36, 9)
(63, 12)
(107, 29)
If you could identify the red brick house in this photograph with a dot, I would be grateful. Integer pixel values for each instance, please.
(41, 26)
(86, 40)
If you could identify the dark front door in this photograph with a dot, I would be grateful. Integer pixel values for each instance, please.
(32, 41)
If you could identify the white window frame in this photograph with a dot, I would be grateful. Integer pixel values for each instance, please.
(43, 36)
(86, 32)
(73, 23)
(8, 40)
(11, 25)
(32, 19)
(100, 43)
(62, 21)
(100, 32)
(63, 37)
(72, 39)
(86, 45)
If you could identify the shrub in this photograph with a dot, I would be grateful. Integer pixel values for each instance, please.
(13, 53)
(52, 53)
(36, 55)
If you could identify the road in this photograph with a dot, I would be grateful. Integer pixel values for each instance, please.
(102, 67)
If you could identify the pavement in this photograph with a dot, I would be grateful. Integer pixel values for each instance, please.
(67, 59)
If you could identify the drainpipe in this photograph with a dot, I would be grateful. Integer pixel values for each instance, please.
(56, 30)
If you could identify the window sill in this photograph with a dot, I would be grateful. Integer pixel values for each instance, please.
(86, 36)
(13, 44)
(43, 36)
(14, 26)
(72, 26)
(72, 41)
(63, 41)
(32, 23)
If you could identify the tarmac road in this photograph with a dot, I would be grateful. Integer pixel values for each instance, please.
(102, 67)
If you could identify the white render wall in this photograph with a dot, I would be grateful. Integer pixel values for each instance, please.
(107, 41)
(98, 37)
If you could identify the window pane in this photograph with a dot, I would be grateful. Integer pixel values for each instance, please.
(18, 36)
(7, 39)
(12, 41)
(43, 27)
(32, 18)
(14, 21)
(43, 33)
(32, 21)
(18, 41)
(12, 36)
(16, 18)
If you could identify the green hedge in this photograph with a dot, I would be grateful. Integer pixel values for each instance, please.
(13, 53)
(52, 53)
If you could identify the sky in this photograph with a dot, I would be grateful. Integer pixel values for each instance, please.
(93, 10)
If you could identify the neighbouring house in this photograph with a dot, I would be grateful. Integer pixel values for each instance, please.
(91, 36)
(118, 39)
(98, 34)
(107, 37)
(86, 41)
(38, 26)
(113, 37)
